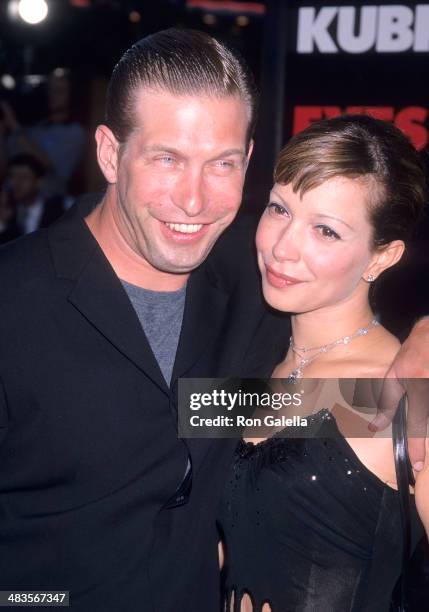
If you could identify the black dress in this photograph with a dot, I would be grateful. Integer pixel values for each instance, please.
(308, 528)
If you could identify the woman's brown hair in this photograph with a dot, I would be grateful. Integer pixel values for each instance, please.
(361, 147)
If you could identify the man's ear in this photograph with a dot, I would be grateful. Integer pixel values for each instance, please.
(107, 153)
(383, 258)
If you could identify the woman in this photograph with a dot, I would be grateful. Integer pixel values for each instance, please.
(314, 524)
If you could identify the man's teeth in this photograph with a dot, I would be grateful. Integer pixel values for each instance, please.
(184, 227)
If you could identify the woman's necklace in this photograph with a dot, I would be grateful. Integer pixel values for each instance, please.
(304, 362)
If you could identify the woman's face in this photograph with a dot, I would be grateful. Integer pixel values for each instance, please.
(314, 250)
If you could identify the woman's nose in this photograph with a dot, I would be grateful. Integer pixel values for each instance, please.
(287, 246)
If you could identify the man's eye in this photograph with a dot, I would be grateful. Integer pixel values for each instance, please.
(327, 232)
(276, 210)
(166, 160)
(224, 164)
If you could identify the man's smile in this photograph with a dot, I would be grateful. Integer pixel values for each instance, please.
(184, 233)
(185, 228)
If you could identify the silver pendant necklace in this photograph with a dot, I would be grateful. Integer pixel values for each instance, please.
(304, 362)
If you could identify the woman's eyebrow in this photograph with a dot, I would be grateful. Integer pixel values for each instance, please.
(277, 195)
(334, 218)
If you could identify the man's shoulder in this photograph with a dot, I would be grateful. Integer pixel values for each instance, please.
(24, 250)
(24, 260)
(67, 241)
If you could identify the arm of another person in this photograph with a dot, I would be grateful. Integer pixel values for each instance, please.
(421, 492)
(409, 373)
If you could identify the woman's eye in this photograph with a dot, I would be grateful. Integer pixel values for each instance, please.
(327, 232)
(277, 210)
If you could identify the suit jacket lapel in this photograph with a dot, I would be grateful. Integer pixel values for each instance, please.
(98, 293)
(100, 297)
(205, 311)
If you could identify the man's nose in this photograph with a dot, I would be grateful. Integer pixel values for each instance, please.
(189, 193)
(287, 246)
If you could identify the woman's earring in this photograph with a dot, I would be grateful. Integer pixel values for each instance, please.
(370, 278)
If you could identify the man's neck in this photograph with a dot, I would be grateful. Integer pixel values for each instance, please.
(127, 264)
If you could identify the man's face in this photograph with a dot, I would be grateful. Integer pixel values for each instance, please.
(24, 184)
(178, 179)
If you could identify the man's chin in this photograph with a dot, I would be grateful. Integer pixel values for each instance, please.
(177, 264)
(183, 268)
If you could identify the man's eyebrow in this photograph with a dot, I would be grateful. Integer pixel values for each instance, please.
(228, 152)
(169, 149)
(160, 147)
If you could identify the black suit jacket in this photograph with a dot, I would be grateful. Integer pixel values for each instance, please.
(90, 462)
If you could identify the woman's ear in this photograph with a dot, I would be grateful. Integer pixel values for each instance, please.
(107, 153)
(383, 258)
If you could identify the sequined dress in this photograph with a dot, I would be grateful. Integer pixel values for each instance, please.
(308, 528)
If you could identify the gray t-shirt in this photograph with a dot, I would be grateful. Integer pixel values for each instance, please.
(161, 315)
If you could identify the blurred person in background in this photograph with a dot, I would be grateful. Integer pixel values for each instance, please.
(7, 212)
(28, 209)
(57, 142)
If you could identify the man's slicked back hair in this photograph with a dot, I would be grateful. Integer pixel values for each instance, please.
(182, 62)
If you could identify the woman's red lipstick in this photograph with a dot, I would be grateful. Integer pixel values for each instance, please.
(280, 280)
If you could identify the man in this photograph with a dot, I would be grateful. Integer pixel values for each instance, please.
(29, 209)
(97, 494)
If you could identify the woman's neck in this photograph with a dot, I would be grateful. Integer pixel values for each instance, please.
(321, 327)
